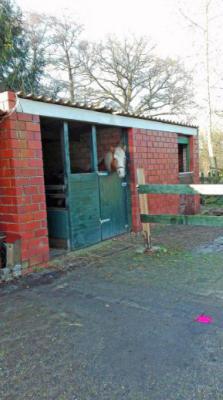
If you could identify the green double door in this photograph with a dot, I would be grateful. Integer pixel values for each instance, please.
(97, 207)
(96, 202)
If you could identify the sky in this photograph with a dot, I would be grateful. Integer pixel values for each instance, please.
(158, 19)
(155, 18)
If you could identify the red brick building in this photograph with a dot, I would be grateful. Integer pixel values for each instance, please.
(50, 187)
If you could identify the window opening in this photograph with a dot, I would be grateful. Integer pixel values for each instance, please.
(80, 148)
(183, 155)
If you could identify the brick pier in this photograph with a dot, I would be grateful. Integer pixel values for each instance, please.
(22, 196)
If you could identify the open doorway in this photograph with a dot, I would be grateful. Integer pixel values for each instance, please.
(55, 190)
(55, 174)
(85, 203)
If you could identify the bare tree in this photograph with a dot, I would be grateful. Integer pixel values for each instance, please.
(203, 23)
(37, 32)
(130, 76)
(64, 52)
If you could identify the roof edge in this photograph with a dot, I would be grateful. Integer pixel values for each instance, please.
(99, 108)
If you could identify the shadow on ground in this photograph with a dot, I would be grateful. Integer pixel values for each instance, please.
(111, 322)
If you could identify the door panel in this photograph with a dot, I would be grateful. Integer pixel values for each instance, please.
(84, 210)
(113, 205)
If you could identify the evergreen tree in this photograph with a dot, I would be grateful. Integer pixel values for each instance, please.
(13, 47)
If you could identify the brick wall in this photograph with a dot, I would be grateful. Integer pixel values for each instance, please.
(157, 153)
(107, 137)
(22, 198)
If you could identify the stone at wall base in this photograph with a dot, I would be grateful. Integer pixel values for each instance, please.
(5, 274)
(17, 271)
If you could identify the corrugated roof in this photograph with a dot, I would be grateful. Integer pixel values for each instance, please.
(97, 107)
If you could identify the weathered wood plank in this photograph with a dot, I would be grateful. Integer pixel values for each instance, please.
(84, 210)
(199, 220)
(143, 205)
(113, 216)
(58, 224)
(212, 190)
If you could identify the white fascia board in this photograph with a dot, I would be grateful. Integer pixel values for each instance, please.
(94, 117)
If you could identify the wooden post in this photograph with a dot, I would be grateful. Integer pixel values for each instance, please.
(94, 155)
(144, 209)
(67, 171)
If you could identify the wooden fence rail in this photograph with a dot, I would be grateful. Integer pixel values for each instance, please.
(210, 190)
(169, 219)
(178, 189)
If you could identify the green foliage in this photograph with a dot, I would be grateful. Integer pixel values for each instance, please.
(24, 55)
(212, 201)
(13, 47)
(36, 27)
(213, 177)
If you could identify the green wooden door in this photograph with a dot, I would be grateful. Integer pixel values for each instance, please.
(96, 202)
(97, 208)
(84, 209)
(113, 205)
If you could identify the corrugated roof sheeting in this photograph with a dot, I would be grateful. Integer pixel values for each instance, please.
(97, 107)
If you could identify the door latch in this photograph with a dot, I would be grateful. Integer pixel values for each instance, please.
(102, 173)
(102, 221)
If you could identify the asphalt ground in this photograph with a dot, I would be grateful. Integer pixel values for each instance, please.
(114, 323)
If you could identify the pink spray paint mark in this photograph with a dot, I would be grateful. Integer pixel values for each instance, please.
(204, 319)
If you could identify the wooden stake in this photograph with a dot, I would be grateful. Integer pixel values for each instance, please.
(144, 209)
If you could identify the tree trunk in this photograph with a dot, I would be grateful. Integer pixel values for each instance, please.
(212, 159)
(70, 78)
